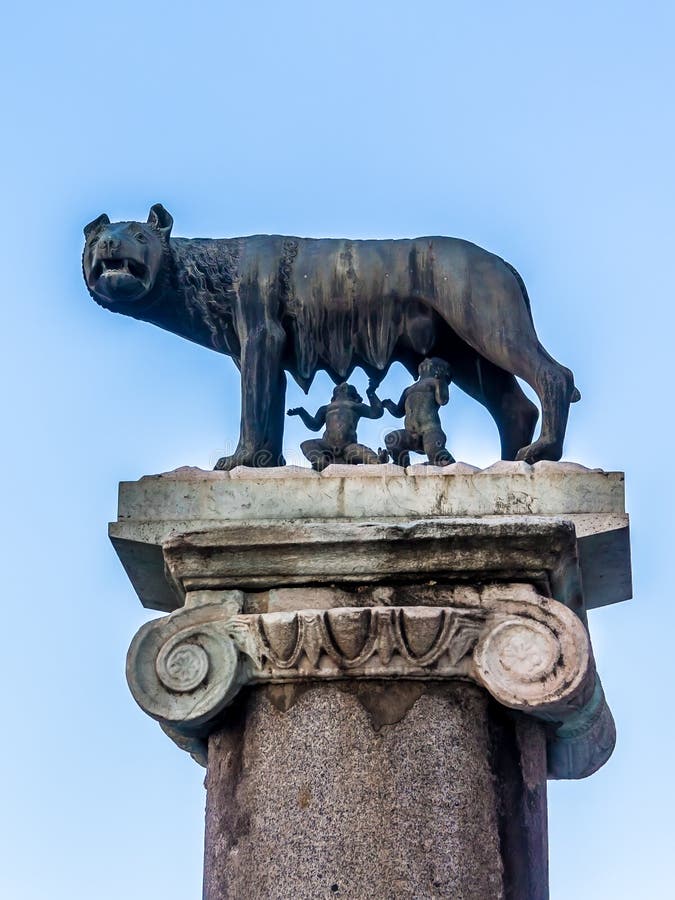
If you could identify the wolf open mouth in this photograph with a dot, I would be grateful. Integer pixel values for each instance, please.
(125, 266)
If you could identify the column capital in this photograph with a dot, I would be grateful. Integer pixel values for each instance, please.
(531, 653)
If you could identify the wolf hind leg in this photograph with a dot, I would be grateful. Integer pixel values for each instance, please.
(514, 413)
(521, 355)
(554, 385)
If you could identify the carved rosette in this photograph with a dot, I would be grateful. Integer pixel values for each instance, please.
(530, 653)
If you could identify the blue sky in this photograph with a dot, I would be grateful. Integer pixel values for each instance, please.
(542, 131)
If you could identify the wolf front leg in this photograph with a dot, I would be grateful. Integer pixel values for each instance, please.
(263, 396)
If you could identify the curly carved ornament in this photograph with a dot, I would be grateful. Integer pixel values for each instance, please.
(531, 653)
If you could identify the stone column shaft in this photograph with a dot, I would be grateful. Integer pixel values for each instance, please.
(375, 790)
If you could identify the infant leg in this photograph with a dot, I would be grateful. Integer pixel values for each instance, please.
(317, 453)
(359, 453)
(434, 447)
(398, 443)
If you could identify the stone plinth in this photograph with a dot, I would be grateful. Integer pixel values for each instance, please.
(379, 667)
(158, 507)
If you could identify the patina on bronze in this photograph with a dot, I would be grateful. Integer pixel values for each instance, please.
(280, 304)
(339, 443)
(420, 404)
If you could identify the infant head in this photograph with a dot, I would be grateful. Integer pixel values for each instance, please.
(346, 391)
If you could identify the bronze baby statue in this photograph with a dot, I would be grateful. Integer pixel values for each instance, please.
(420, 403)
(339, 443)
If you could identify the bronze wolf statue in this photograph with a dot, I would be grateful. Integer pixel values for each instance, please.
(280, 304)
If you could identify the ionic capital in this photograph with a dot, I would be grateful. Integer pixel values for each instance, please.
(531, 653)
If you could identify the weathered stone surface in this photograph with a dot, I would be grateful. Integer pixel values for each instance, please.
(309, 798)
(381, 697)
(246, 473)
(532, 654)
(280, 554)
(504, 488)
(158, 509)
(457, 468)
(384, 470)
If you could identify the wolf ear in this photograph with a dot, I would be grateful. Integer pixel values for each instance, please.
(160, 219)
(96, 225)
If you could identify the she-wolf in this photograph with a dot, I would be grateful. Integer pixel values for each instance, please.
(279, 304)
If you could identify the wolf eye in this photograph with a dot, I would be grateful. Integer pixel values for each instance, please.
(141, 237)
